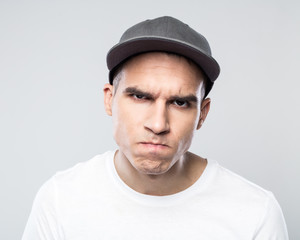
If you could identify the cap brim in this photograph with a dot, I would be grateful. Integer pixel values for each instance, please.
(122, 51)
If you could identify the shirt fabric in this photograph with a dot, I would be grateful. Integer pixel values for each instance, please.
(89, 201)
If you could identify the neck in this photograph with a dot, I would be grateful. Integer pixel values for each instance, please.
(180, 176)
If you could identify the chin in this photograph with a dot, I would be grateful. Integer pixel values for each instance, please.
(152, 167)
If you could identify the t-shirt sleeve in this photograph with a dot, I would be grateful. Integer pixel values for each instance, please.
(43, 220)
(272, 226)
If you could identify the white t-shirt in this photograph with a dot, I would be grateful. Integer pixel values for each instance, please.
(90, 201)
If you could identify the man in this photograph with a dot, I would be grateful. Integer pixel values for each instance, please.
(151, 187)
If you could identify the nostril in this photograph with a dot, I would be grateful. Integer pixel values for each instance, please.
(157, 126)
(158, 131)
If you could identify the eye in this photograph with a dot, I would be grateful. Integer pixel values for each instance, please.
(138, 96)
(181, 103)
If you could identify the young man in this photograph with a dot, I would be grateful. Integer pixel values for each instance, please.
(151, 187)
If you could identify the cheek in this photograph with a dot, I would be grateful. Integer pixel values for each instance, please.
(125, 122)
(184, 127)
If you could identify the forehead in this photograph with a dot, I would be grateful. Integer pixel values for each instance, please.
(162, 71)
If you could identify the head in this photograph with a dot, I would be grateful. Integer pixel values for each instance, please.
(157, 105)
(157, 100)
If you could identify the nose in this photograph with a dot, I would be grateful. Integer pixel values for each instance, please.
(157, 120)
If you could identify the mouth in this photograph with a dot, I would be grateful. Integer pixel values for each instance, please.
(154, 145)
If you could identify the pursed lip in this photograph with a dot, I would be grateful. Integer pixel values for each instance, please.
(155, 144)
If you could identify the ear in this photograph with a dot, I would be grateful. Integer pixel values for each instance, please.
(205, 106)
(108, 97)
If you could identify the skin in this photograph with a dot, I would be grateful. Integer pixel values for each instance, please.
(156, 110)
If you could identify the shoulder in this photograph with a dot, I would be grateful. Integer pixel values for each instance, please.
(245, 195)
(233, 191)
(84, 170)
(82, 176)
(235, 184)
(243, 199)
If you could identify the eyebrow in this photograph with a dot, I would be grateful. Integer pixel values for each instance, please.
(187, 98)
(134, 90)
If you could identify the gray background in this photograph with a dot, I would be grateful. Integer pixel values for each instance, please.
(52, 58)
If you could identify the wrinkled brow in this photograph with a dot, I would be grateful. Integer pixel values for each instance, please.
(136, 91)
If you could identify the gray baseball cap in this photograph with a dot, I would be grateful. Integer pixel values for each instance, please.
(164, 34)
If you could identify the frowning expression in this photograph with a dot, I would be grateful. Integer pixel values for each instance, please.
(155, 110)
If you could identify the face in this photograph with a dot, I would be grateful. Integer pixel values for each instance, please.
(156, 109)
